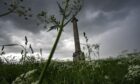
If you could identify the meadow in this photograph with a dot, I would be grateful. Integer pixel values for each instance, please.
(125, 69)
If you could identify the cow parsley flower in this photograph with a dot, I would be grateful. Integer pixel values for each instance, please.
(24, 78)
(133, 72)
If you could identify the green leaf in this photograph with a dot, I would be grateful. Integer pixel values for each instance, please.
(53, 27)
(61, 9)
(9, 45)
(43, 13)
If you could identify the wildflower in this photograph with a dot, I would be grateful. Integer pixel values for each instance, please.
(24, 78)
(35, 82)
(97, 65)
(133, 72)
(29, 73)
(119, 62)
(106, 77)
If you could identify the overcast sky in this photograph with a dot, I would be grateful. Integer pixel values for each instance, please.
(114, 24)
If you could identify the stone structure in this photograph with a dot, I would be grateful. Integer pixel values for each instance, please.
(78, 54)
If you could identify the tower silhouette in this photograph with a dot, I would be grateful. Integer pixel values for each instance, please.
(78, 54)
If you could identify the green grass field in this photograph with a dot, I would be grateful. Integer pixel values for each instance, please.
(121, 70)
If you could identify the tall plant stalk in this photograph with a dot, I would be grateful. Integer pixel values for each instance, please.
(53, 48)
(51, 54)
(68, 10)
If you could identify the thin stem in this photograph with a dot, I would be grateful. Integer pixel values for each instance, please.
(53, 49)
(6, 13)
(50, 56)
(51, 53)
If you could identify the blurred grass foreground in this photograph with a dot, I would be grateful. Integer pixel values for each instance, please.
(124, 69)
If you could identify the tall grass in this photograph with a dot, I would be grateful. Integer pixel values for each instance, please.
(122, 70)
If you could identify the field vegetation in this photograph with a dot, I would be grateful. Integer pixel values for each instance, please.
(125, 69)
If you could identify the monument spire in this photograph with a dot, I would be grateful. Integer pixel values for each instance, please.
(77, 55)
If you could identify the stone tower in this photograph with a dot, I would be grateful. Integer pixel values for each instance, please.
(78, 54)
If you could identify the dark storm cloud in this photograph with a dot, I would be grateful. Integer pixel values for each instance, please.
(111, 5)
(102, 22)
(36, 7)
(113, 23)
(102, 14)
(109, 11)
(99, 17)
(4, 37)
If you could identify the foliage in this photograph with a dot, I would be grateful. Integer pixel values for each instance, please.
(24, 51)
(103, 71)
(133, 72)
(9, 71)
(90, 48)
(26, 78)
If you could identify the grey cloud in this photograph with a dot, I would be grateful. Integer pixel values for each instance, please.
(4, 37)
(36, 7)
(97, 18)
(111, 5)
(109, 13)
